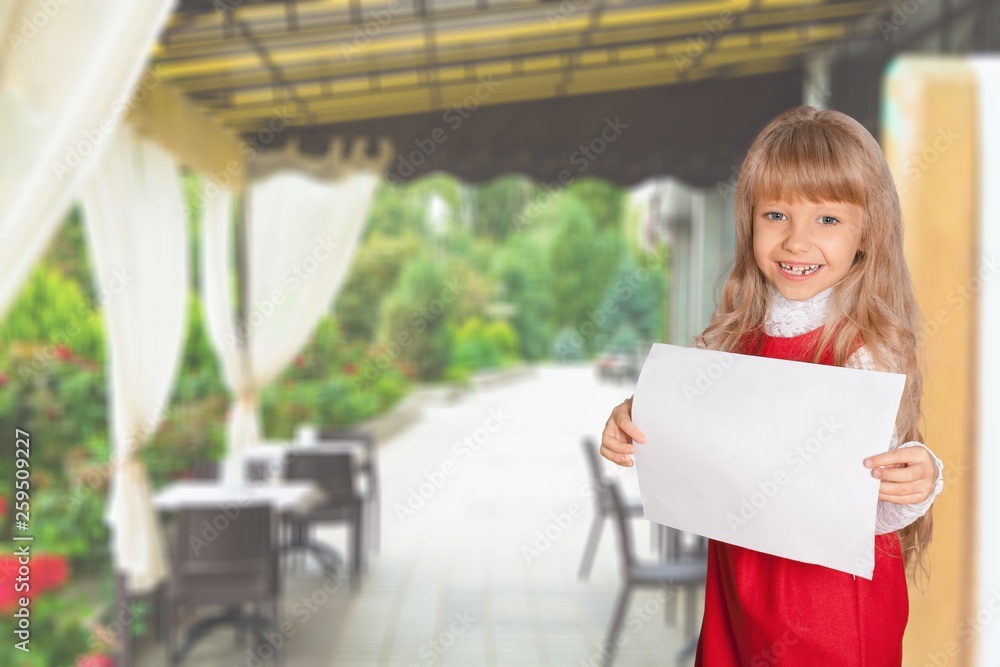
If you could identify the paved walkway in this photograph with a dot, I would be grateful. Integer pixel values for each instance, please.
(485, 515)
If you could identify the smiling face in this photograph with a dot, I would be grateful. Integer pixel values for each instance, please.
(804, 247)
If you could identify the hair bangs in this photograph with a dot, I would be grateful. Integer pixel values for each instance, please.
(811, 162)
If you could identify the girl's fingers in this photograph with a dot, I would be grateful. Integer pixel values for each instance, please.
(900, 455)
(907, 493)
(911, 499)
(907, 474)
(616, 444)
(615, 456)
(630, 429)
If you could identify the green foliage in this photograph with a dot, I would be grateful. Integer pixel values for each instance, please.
(481, 345)
(582, 261)
(52, 311)
(374, 272)
(58, 630)
(333, 383)
(604, 201)
(503, 338)
(635, 303)
(522, 269)
(415, 318)
(498, 203)
(568, 345)
(397, 211)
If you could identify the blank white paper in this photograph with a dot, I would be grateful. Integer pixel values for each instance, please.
(763, 453)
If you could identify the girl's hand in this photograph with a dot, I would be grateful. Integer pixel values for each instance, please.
(908, 475)
(616, 441)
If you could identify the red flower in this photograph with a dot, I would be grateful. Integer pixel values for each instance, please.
(48, 571)
(95, 660)
(8, 574)
(350, 369)
(63, 352)
(299, 362)
(3, 379)
(3, 509)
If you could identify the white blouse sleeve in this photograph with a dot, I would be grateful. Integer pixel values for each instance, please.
(890, 517)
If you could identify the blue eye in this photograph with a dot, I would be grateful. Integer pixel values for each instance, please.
(829, 217)
(768, 215)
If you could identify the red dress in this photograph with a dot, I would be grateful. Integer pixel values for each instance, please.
(762, 610)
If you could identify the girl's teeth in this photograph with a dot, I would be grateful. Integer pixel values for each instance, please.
(801, 271)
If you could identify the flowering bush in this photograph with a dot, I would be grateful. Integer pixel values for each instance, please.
(57, 634)
(95, 660)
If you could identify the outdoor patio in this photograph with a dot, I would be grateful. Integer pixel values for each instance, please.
(453, 583)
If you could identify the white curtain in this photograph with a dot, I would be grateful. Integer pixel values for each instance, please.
(136, 232)
(303, 232)
(987, 596)
(66, 70)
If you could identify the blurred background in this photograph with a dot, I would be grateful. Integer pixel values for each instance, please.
(381, 269)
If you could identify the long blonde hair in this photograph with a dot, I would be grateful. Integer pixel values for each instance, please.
(824, 155)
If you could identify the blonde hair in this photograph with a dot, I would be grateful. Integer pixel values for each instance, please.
(824, 155)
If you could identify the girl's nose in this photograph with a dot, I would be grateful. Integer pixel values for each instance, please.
(797, 239)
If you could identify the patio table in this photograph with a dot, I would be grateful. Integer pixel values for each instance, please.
(272, 453)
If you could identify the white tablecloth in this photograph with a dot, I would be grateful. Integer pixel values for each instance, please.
(297, 496)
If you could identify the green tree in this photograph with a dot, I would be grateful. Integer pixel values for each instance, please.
(583, 260)
(397, 211)
(374, 271)
(605, 201)
(53, 312)
(498, 203)
(521, 266)
(635, 303)
(416, 318)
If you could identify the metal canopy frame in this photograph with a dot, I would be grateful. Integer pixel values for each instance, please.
(325, 62)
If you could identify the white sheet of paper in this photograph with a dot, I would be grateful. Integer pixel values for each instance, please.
(764, 453)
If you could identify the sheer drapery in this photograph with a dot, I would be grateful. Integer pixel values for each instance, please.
(66, 71)
(303, 231)
(137, 236)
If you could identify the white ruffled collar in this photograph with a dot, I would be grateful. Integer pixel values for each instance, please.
(786, 318)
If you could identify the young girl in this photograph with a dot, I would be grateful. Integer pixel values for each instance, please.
(818, 276)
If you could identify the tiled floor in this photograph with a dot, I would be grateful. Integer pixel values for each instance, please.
(485, 514)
